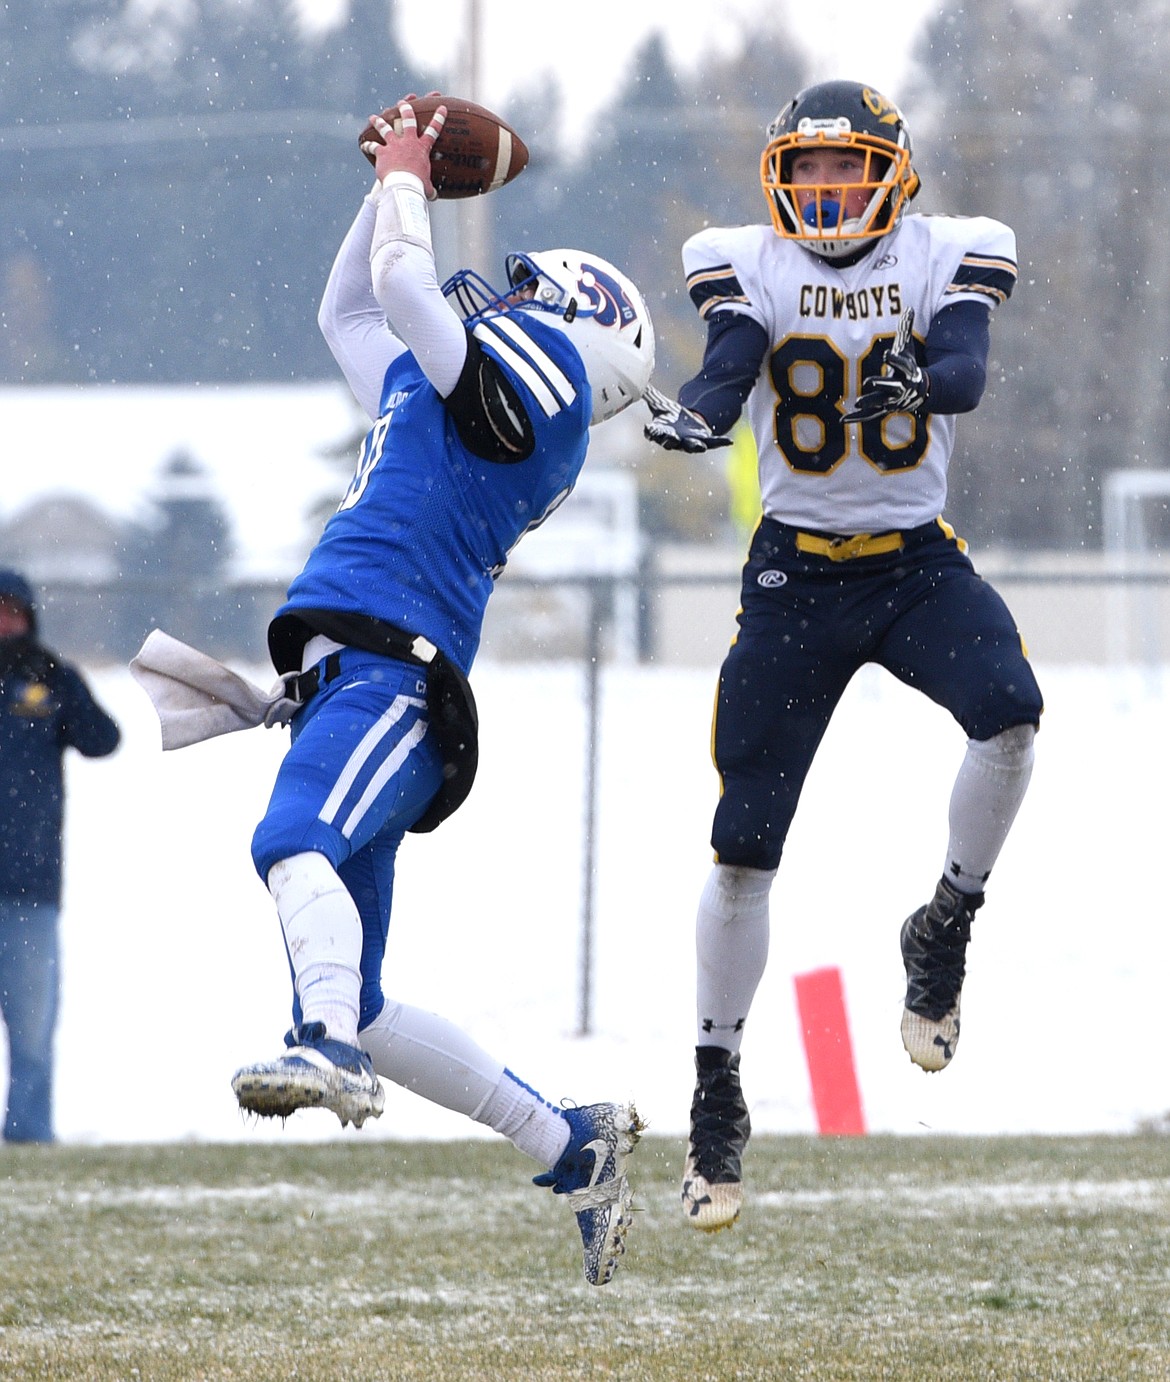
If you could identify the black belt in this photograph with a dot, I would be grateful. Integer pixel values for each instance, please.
(305, 685)
(391, 642)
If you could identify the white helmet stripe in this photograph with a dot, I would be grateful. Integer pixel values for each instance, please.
(579, 295)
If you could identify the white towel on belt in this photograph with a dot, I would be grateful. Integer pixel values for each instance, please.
(197, 698)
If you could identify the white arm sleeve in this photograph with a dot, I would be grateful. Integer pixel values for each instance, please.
(406, 285)
(351, 319)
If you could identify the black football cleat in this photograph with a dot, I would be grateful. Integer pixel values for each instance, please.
(712, 1187)
(934, 951)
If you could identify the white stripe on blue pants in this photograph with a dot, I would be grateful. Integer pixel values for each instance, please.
(360, 764)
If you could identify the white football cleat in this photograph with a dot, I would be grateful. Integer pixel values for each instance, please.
(316, 1072)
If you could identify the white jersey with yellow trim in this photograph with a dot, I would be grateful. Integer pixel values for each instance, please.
(829, 328)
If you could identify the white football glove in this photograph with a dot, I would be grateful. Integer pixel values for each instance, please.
(676, 428)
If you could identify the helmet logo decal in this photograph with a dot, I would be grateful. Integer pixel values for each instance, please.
(886, 112)
(606, 296)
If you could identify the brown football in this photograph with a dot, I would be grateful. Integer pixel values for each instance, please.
(476, 152)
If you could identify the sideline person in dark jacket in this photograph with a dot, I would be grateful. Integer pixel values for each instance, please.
(45, 708)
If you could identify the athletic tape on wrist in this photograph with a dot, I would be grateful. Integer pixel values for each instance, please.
(403, 212)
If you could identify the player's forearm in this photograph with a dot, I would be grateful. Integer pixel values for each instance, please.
(731, 363)
(956, 384)
(352, 321)
(406, 286)
(957, 347)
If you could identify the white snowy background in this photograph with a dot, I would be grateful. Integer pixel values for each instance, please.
(174, 972)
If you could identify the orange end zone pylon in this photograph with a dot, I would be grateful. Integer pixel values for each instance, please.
(820, 1002)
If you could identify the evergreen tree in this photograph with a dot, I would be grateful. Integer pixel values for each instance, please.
(683, 153)
(360, 66)
(1041, 118)
(179, 561)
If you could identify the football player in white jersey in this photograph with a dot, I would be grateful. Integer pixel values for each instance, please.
(853, 333)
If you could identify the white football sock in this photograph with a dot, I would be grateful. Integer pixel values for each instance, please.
(323, 933)
(431, 1056)
(988, 791)
(731, 943)
(533, 1125)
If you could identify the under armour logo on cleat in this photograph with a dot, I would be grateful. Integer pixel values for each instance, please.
(694, 1205)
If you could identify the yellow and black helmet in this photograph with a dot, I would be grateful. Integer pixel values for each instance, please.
(837, 115)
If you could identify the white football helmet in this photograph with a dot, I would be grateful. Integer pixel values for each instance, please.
(592, 302)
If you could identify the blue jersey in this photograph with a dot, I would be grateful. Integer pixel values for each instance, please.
(427, 524)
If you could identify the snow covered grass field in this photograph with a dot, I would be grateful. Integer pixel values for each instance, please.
(1009, 1218)
(942, 1258)
(174, 972)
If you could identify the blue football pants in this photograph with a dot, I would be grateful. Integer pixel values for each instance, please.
(360, 770)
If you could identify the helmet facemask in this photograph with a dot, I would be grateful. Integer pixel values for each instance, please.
(821, 226)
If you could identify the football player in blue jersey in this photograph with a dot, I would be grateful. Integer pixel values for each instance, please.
(480, 423)
(853, 333)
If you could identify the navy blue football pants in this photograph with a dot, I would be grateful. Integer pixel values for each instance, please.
(806, 625)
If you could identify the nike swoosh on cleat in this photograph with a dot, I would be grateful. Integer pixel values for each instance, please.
(599, 1147)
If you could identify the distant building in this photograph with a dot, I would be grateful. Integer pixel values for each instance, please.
(71, 552)
(104, 583)
(63, 537)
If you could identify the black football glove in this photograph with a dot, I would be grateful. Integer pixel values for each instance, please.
(902, 385)
(676, 428)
